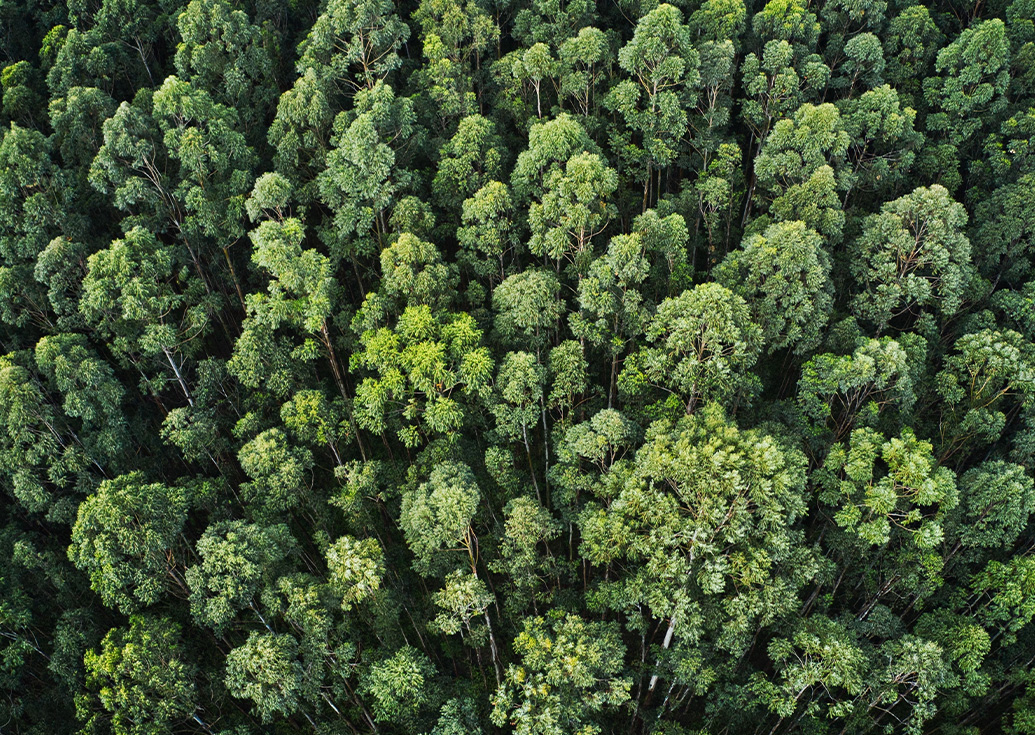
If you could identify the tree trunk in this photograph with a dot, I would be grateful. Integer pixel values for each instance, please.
(664, 645)
(497, 666)
(179, 377)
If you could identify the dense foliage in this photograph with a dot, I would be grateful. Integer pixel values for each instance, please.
(553, 367)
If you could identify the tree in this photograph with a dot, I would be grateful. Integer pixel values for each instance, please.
(266, 670)
(315, 420)
(77, 119)
(113, 45)
(528, 308)
(614, 300)
(437, 516)
(301, 293)
(463, 599)
(906, 685)
(278, 473)
(21, 99)
(784, 276)
(587, 452)
(520, 382)
(719, 20)
(788, 20)
(528, 529)
(356, 568)
(912, 255)
(413, 274)
(129, 296)
(846, 20)
(776, 87)
(551, 22)
(453, 36)
(29, 441)
(398, 686)
(820, 660)
(91, 393)
(61, 267)
(986, 378)
(814, 202)
(584, 60)
(362, 180)
(355, 42)
(883, 144)
(1003, 231)
(797, 147)
(703, 344)
(437, 520)
(458, 717)
(998, 599)
(534, 67)
(567, 678)
(664, 69)
(892, 495)
(141, 679)
(698, 526)
(415, 368)
(487, 238)
(611, 305)
(568, 375)
(551, 144)
(471, 159)
(300, 134)
(124, 538)
(996, 500)
(30, 191)
(864, 64)
(223, 53)
(176, 159)
(910, 46)
(236, 558)
(573, 210)
(709, 123)
(837, 393)
(716, 190)
(976, 76)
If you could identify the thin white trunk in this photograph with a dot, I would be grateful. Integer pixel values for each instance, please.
(664, 645)
(202, 723)
(179, 377)
(546, 447)
(330, 703)
(495, 651)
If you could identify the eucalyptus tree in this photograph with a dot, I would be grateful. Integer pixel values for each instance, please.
(784, 275)
(176, 162)
(224, 53)
(419, 374)
(567, 680)
(663, 70)
(911, 257)
(133, 296)
(125, 538)
(697, 529)
(701, 346)
(141, 681)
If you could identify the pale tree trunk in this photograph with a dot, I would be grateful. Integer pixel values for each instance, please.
(497, 666)
(664, 645)
(179, 377)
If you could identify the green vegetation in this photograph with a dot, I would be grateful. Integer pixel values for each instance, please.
(550, 367)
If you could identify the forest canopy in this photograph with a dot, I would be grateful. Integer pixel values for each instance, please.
(549, 367)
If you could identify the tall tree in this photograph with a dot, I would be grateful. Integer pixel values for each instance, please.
(124, 538)
(663, 68)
